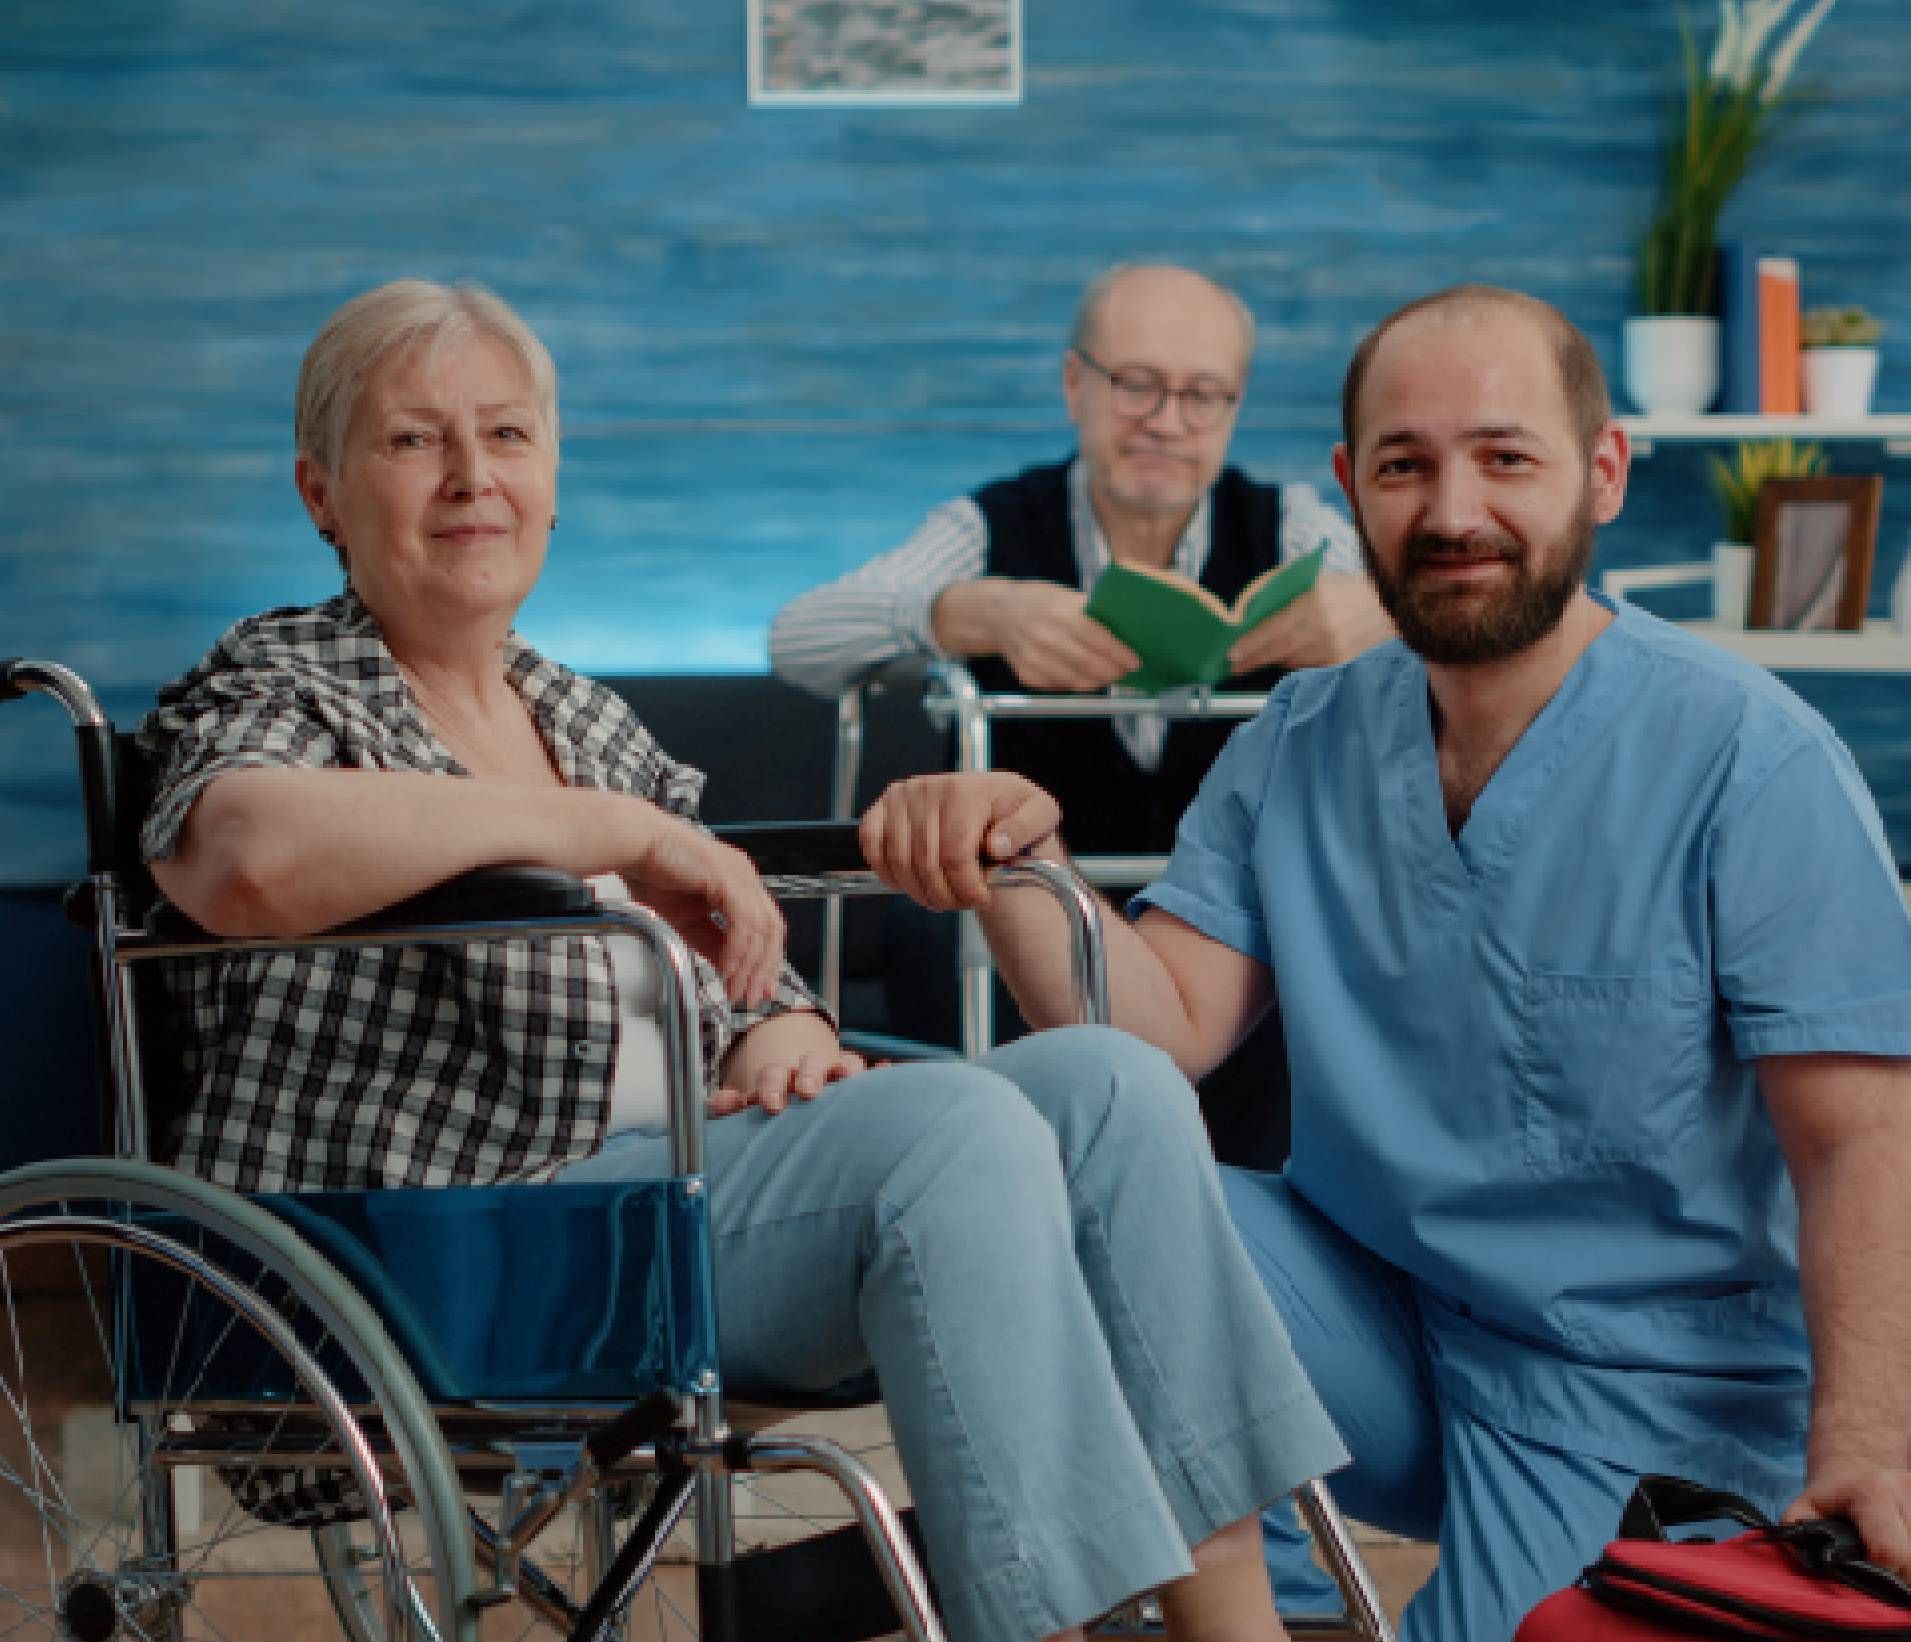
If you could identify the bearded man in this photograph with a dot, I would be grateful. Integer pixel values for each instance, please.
(1597, 982)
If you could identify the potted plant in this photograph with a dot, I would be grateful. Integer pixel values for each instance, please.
(1672, 343)
(1736, 484)
(1841, 360)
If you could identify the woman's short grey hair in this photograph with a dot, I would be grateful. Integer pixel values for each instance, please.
(385, 321)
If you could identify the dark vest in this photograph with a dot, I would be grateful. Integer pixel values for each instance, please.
(1109, 805)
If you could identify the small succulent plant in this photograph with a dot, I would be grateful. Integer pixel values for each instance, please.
(1851, 327)
(1739, 481)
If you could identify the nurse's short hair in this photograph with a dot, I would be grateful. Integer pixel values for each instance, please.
(1587, 400)
(388, 320)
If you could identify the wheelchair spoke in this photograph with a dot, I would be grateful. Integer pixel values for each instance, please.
(30, 1613)
(41, 1471)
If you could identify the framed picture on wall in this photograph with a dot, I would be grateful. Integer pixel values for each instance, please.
(1815, 542)
(885, 52)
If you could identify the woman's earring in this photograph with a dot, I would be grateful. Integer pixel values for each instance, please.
(554, 521)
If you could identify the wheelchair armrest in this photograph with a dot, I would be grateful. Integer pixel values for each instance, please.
(797, 847)
(487, 895)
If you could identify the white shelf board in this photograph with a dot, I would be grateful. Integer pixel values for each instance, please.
(1892, 431)
(1880, 648)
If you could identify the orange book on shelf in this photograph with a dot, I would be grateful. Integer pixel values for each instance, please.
(1778, 338)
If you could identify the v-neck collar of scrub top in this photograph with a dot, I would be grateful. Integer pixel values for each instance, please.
(1454, 869)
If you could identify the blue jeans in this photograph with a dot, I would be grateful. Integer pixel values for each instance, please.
(1083, 1372)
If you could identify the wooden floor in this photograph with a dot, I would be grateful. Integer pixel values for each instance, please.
(266, 1584)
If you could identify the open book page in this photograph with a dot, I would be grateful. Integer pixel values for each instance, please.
(1274, 590)
(1181, 631)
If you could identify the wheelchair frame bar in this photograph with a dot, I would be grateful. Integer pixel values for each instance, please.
(93, 731)
(875, 1512)
(1336, 1542)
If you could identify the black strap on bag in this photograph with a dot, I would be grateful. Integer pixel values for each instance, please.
(1829, 1548)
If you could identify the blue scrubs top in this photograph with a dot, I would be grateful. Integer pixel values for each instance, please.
(1523, 1058)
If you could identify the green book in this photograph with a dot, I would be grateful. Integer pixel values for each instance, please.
(1181, 631)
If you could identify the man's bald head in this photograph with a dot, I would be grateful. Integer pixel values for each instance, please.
(1136, 283)
(1581, 379)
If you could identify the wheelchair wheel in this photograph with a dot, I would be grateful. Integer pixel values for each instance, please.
(186, 1389)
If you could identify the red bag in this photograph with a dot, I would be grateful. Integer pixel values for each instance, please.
(1804, 1579)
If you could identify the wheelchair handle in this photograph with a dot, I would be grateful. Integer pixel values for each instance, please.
(21, 675)
(92, 729)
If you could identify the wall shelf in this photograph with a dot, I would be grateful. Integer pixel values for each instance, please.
(1880, 648)
(1893, 431)
(1883, 647)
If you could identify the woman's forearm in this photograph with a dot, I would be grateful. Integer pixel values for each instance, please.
(287, 851)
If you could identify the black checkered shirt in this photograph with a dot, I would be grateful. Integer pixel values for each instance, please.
(391, 1066)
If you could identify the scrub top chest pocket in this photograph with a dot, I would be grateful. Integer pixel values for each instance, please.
(1611, 1069)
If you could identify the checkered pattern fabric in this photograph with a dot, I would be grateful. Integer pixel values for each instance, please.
(396, 1066)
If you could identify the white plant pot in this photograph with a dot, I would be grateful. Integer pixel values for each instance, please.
(1838, 381)
(1731, 582)
(1672, 363)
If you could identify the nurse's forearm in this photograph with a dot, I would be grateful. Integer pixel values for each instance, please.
(1854, 1256)
(1846, 1127)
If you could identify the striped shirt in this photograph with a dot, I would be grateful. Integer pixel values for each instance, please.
(823, 640)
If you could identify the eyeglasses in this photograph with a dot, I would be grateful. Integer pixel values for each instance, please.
(1138, 393)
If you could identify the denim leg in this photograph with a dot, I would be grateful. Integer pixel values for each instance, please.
(1356, 1329)
(916, 1218)
(1228, 1417)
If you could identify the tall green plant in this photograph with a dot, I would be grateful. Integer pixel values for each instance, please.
(1726, 107)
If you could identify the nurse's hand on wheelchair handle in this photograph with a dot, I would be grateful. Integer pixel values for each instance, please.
(1874, 1498)
(934, 837)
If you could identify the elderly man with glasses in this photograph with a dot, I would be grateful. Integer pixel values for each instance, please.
(1153, 377)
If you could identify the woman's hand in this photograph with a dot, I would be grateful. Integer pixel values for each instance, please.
(787, 1055)
(709, 892)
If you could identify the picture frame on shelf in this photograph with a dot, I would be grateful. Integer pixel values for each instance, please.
(1815, 542)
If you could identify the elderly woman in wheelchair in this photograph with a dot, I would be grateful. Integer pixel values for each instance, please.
(1090, 1393)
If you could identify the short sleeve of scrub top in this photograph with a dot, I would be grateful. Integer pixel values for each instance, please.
(1211, 881)
(1813, 944)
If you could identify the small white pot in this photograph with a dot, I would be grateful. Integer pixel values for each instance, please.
(1672, 363)
(1731, 582)
(1838, 381)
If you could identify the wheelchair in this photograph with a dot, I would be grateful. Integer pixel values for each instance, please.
(403, 1401)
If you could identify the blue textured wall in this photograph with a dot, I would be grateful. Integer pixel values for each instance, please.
(784, 333)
